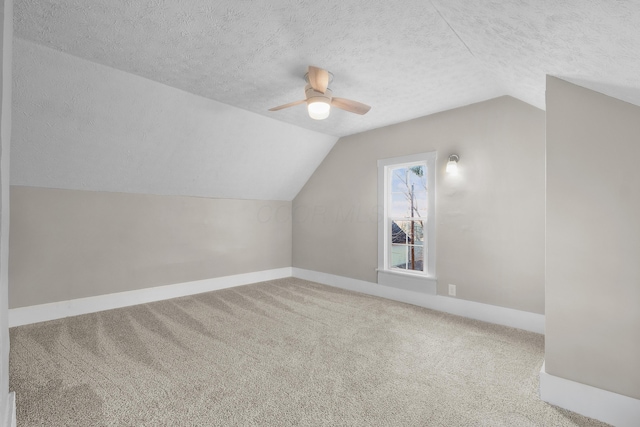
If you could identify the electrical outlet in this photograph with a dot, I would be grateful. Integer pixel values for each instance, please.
(452, 290)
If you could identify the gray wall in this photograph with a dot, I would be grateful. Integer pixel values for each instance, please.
(6, 35)
(490, 219)
(68, 244)
(593, 239)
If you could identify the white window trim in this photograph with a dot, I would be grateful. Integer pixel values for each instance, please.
(414, 281)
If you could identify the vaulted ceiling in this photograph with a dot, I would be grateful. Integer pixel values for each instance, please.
(406, 59)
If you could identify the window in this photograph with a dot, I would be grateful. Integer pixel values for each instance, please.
(406, 234)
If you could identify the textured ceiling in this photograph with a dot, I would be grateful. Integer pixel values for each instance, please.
(406, 59)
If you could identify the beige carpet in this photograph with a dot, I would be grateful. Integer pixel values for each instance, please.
(285, 352)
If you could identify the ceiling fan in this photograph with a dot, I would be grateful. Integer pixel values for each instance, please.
(319, 97)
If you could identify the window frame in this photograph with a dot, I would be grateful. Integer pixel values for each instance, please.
(421, 281)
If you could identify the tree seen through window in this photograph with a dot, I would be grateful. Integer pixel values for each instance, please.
(408, 214)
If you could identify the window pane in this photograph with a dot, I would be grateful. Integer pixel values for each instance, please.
(420, 203)
(399, 178)
(408, 192)
(398, 235)
(407, 245)
(407, 257)
(399, 256)
(400, 206)
(409, 232)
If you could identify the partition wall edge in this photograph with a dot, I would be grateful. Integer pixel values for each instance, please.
(7, 400)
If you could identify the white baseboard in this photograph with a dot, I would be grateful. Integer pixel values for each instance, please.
(485, 312)
(57, 310)
(488, 313)
(612, 408)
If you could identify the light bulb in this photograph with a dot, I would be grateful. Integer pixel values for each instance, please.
(452, 165)
(318, 108)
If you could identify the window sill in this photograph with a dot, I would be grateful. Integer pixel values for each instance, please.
(408, 281)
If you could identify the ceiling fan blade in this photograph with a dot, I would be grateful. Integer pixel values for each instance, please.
(349, 105)
(291, 104)
(318, 79)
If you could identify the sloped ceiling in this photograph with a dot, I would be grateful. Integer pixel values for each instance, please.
(83, 126)
(406, 59)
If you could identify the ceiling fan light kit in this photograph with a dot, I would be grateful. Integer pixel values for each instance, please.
(318, 104)
(319, 97)
(319, 109)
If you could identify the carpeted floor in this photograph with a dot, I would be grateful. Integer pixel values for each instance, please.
(281, 353)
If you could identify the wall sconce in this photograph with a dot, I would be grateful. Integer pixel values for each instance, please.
(452, 164)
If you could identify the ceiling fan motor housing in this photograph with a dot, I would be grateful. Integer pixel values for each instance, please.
(311, 93)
